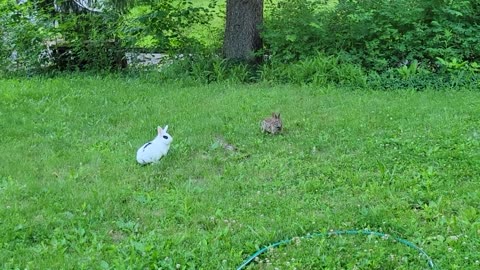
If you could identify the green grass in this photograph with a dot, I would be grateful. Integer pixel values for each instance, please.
(72, 196)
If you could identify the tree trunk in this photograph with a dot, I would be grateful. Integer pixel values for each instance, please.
(242, 30)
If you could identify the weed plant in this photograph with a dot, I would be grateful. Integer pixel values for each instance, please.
(318, 70)
(72, 196)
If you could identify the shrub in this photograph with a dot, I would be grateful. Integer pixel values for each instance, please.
(22, 35)
(164, 25)
(421, 79)
(88, 41)
(377, 34)
(83, 40)
(207, 68)
(388, 34)
(317, 70)
(40, 38)
(293, 30)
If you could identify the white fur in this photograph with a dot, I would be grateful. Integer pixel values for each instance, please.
(153, 151)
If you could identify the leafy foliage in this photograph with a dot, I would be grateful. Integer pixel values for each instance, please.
(373, 43)
(316, 70)
(166, 23)
(376, 34)
(23, 32)
(42, 38)
(85, 40)
(302, 36)
(207, 68)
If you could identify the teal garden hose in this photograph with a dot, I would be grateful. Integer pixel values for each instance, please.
(338, 232)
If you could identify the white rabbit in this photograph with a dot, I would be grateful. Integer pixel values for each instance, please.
(153, 151)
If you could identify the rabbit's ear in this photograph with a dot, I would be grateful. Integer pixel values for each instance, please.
(278, 115)
(165, 129)
(274, 115)
(159, 129)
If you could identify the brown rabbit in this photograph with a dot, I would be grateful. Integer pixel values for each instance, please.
(272, 125)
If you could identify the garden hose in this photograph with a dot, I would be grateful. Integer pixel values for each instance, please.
(339, 232)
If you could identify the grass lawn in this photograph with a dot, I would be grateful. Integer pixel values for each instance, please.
(72, 196)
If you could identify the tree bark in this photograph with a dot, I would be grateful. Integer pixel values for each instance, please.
(242, 30)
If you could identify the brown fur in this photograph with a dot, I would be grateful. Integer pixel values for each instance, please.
(272, 125)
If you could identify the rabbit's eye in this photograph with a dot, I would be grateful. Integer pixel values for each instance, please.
(165, 137)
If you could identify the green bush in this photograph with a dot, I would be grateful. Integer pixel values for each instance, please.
(319, 70)
(42, 39)
(384, 35)
(451, 29)
(164, 25)
(423, 79)
(45, 39)
(316, 70)
(88, 41)
(22, 36)
(207, 68)
(377, 34)
(293, 30)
